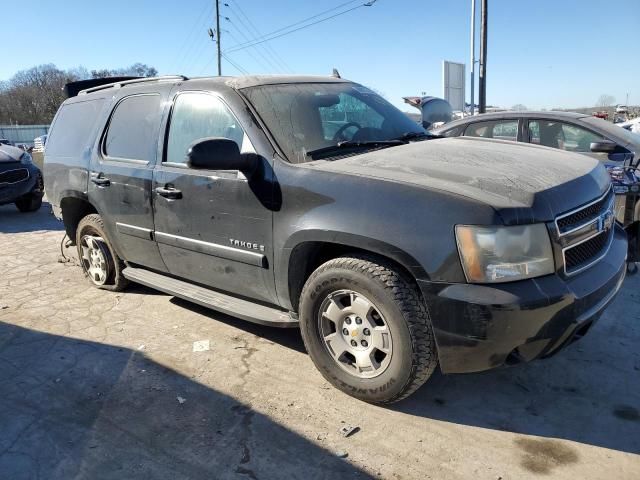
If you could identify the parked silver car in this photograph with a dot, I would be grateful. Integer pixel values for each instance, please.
(573, 132)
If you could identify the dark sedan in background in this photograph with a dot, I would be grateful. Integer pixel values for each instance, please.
(20, 180)
(574, 132)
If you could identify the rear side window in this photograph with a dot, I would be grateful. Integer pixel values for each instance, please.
(73, 131)
(500, 129)
(133, 130)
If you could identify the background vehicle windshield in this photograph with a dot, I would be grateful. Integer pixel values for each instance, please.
(307, 116)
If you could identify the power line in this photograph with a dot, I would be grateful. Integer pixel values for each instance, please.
(264, 60)
(190, 40)
(299, 22)
(238, 67)
(234, 64)
(268, 49)
(199, 52)
(242, 47)
(257, 59)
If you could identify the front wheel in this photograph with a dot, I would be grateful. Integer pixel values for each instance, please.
(366, 329)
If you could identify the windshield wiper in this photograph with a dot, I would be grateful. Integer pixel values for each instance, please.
(346, 145)
(418, 135)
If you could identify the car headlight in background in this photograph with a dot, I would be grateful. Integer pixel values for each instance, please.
(26, 159)
(504, 254)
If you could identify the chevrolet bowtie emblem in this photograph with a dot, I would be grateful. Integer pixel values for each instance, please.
(605, 221)
(354, 333)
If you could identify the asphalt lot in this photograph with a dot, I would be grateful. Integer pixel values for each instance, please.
(96, 384)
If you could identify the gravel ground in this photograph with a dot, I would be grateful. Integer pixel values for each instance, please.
(96, 384)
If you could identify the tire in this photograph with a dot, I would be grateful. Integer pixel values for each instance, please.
(29, 203)
(93, 245)
(396, 306)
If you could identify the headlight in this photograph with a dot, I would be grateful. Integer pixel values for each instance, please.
(25, 159)
(504, 254)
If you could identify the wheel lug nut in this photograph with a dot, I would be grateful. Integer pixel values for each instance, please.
(364, 343)
(345, 331)
(358, 320)
(354, 343)
(366, 331)
(347, 321)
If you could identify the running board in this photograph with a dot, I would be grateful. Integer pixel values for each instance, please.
(236, 307)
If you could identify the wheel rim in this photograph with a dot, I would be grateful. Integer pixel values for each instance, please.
(355, 334)
(94, 259)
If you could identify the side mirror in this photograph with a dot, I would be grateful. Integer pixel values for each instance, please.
(604, 146)
(215, 153)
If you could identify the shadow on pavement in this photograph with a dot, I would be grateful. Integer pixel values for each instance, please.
(563, 398)
(287, 337)
(588, 393)
(77, 409)
(13, 221)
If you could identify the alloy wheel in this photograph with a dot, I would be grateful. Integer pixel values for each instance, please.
(355, 333)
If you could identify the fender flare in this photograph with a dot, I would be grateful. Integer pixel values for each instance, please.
(359, 242)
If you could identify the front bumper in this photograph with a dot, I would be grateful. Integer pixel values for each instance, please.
(32, 185)
(479, 327)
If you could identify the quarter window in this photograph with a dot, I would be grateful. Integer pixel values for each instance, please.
(196, 116)
(503, 130)
(133, 130)
(72, 131)
(562, 135)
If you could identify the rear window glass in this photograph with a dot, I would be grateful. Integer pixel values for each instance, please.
(500, 129)
(133, 130)
(73, 131)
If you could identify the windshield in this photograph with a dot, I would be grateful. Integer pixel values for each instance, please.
(305, 117)
(619, 132)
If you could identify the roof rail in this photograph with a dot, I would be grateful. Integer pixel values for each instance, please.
(133, 81)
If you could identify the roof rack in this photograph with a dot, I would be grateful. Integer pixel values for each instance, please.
(133, 81)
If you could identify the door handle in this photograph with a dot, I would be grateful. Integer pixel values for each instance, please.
(169, 192)
(101, 181)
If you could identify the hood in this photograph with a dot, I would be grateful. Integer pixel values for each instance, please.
(524, 183)
(9, 154)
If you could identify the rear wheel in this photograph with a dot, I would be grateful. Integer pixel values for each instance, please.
(366, 329)
(98, 260)
(29, 203)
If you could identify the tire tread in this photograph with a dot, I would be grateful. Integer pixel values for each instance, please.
(409, 301)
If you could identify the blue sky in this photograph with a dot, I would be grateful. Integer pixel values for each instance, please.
(544, 54)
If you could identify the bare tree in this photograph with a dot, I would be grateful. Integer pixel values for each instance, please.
(135, 70)
(518, 107)
(605, 100)
(33, 96)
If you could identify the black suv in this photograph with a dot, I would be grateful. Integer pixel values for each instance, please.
(313, 202)
(20, 180)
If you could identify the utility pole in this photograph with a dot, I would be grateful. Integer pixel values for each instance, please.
(473, 54)
(482, 80)
(218, 38)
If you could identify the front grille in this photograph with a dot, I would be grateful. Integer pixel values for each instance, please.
(14, 176)
(585, 215)
(595, 219)
(580, 255)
